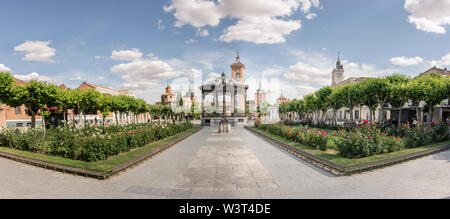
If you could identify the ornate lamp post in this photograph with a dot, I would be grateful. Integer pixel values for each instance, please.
(224, 126)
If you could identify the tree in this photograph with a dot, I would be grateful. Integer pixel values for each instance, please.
(337, 100)
(415, 94)
(368, 97)
(380, 87)
(284, 109)
(6, 87)
(351, 95)
(312, 106)
(399, 96)
(68, 100)
(298, 106)
(323, 100)
(105, 105)
(434, 91)
(35, 95)
(89, 102)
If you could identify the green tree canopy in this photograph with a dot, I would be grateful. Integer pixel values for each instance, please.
(35, 95)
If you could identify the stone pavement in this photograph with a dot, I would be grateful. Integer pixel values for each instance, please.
(240, 165)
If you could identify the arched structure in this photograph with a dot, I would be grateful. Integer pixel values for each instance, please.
(226, 103)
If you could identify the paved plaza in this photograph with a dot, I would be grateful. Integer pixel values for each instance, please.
(239, 165)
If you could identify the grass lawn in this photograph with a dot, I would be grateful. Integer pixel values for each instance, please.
(103, 166)
(345, 161)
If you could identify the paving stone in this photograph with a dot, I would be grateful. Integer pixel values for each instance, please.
(238, 165)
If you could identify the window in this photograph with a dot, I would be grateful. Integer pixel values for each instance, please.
(340, 114)
(345, 115)
(17, 110)
(356, 114)
(19, 125)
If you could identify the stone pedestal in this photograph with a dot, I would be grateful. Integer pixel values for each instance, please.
(224, 127)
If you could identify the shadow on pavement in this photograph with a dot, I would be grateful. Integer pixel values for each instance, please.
(444, 155)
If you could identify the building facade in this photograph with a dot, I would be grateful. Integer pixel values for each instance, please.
(359, 112)
(167, 98)
(260, 95)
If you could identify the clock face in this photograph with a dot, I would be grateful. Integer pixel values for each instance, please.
(339, 75)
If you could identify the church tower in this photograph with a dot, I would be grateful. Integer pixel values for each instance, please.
(237, 69)
(338, 72)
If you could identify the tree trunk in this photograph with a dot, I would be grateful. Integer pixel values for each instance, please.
(43, 124)
(117, 119)
(399, 120)
(351, 115)
(380, 115)
(418, 114)
(360, 113)
(334, 116)
(33, 120)
(65, 117)
(104, 120)
(84, 116)
(430, 117)
(73, 119)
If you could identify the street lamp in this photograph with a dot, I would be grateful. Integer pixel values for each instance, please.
(224, 127)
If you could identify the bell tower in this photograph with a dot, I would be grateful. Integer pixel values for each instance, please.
(237, 69)
(338, 72)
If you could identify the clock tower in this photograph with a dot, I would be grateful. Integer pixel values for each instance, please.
(237, 69)
(338, 73)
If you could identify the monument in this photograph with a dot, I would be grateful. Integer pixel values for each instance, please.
(230, 111)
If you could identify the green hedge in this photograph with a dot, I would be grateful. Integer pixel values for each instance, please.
(91, 143)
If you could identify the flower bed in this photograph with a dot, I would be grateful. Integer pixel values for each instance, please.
(91, 143)
(362, 141)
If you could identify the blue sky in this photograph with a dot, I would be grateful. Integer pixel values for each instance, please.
(74, 41)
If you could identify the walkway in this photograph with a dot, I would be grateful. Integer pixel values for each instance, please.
(241, 165)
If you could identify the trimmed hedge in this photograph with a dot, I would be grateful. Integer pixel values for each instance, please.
(91, 143)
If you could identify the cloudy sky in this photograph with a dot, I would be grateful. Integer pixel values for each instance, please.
(139, 44)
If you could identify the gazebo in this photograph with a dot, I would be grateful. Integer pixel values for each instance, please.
(229, 101)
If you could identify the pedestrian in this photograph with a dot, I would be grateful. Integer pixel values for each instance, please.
(414, 123)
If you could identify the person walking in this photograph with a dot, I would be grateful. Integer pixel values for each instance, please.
(414, 123)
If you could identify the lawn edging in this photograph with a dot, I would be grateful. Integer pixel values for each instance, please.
(97, 173)
(351, 169)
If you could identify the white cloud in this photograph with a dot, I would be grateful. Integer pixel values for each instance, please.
(76, 78)
(444, 61)
(146, 69)
(202, 32)
(144, 73)
(99, 57)
(197, 13)
(39, 51)
(212, 76)
(275, 70)
(4, 68)
(429, 15)
(406, 61)
(127, 55)
(263, 30)
(160, 25)
(313, 70)
(257, 21)
(308, 74)
(310, 16)
(190, 41)
(35, 77)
